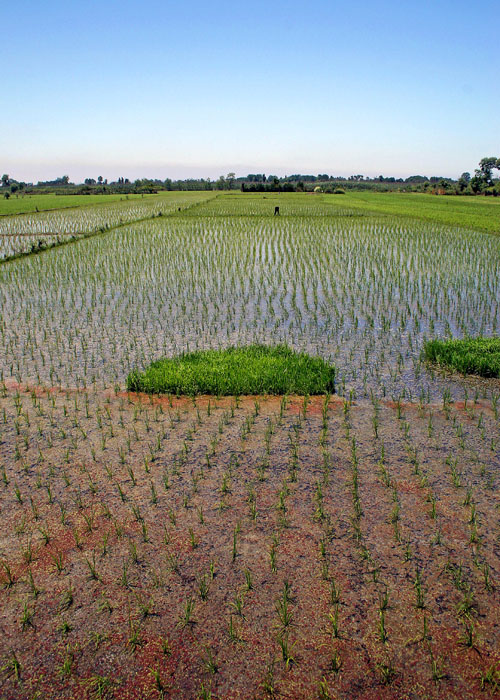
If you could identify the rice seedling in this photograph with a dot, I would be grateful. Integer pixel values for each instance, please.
(27, 617)
(490, 678)
(91, 564)
(286, 649)
(209, 661)
(186, 617)
(419, 589)
(12, 666)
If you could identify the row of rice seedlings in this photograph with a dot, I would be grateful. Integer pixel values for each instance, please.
(93, 490)
(467, 608)
(355, 291)
(263, 205)
(472, 497)
(137, 543)
(92, 560)
(404, 538)
(96, 217)
(33, 233)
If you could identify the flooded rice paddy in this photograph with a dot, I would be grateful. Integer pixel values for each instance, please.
(360, 291)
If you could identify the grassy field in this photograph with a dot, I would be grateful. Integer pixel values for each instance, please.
(477, 213)
(48, 202)
(333, 546)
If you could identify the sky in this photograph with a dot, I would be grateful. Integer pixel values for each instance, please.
(199, 89)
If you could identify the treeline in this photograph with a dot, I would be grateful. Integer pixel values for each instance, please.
(482, 182)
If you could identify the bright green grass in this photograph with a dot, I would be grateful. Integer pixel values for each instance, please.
(469, 356)
(49, 202)
(479, 213)
(255, 369)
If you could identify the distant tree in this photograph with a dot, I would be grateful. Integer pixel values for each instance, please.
(230, 178)
(5, 180)
(463, 181)
(486, 166)
(477, 183)
(416, 179)
(6, 195)
(99, 179)
(221, 183)
(444, 184)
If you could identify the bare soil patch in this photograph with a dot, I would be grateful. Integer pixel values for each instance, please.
(256, 548)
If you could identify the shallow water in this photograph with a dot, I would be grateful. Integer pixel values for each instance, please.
(363, 292)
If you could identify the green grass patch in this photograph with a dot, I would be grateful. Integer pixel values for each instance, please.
(256, 369)
(469, 356)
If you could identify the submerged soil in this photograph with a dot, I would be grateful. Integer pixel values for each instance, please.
(252, 548)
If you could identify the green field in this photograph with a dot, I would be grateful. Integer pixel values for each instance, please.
(47, 202)
(32, 232)
(479, 213)
(474, 213)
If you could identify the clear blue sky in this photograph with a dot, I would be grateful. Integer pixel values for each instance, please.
(173, 89)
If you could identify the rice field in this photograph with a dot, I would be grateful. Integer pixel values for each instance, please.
(333, 547)
(45, 229)
(361, 292)
(24, 203)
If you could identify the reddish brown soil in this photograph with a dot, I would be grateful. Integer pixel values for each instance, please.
(82, 488)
